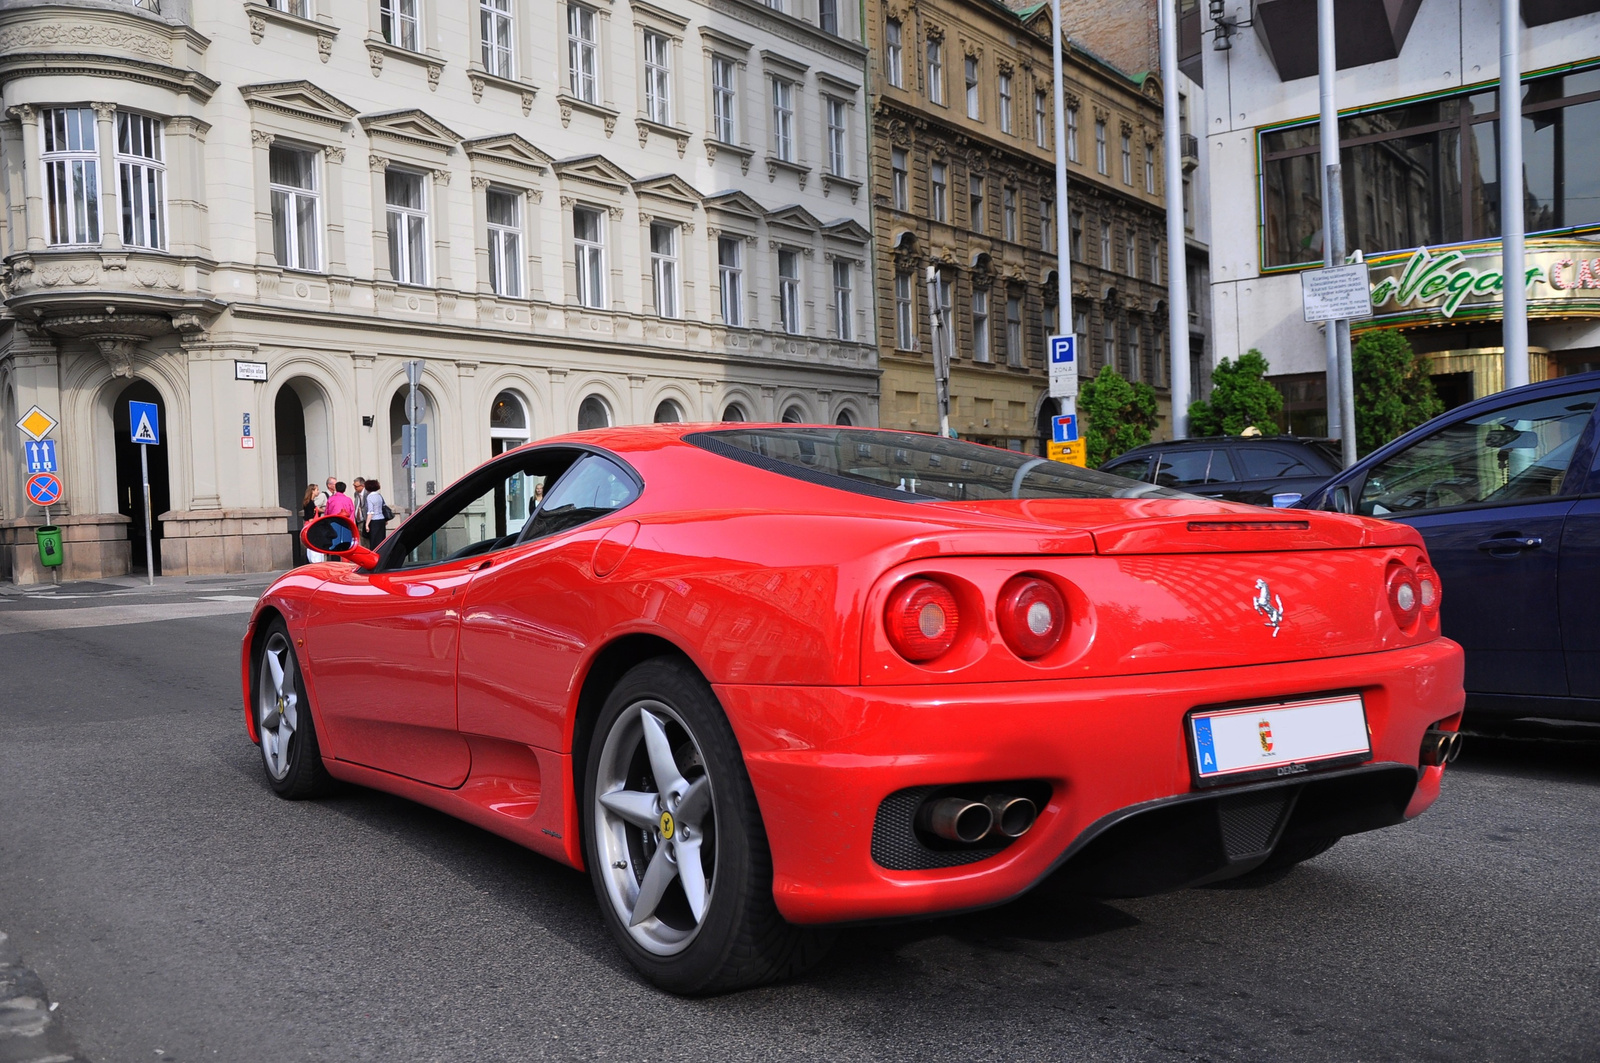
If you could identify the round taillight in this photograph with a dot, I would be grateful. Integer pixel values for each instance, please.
(1031, 615)
(1405, 599)
(921, 619)
(1429, 591)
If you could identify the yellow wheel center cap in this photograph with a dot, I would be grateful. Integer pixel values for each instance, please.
(666, 825)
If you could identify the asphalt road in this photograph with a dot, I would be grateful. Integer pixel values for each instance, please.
(178, 911)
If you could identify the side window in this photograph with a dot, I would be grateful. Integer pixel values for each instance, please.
(1191, 468)
(1516, 453)
(1136, 469)
(485, 512)
(1266, 463)
(592, 488)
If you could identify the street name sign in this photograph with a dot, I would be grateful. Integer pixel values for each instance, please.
(36, 424)
(144, 421)
(41, 455)
(1340, 293)
(44, 489)
(249, 370)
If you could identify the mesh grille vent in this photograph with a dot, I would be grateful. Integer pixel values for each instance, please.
(1250, 821)
(896, 847)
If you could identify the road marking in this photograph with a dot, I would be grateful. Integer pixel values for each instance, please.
(227, 597)
(108, 616)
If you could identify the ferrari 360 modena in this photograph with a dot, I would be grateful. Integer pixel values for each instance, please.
(761, 681)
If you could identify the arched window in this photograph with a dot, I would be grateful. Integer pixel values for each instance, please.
(794, 415)
(593, 413)
(508, 418)
(668, 412)
(845, 419)
(733, 412)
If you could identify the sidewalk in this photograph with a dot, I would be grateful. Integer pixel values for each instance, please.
(127, 600)
(251, 583)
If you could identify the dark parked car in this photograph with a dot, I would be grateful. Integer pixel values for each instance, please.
(1259, 470)
(1506, 492)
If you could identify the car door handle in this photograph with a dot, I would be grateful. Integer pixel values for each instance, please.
(1512, 542)
(482, 565)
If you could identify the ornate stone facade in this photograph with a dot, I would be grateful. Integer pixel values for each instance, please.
(316, 186)
(963, 179)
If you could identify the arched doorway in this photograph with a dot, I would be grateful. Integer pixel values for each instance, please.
(667, 412)
(508, 429)
(400, 477)
(301, 431)
(1047, 410)
(130, 477)
(593, 413)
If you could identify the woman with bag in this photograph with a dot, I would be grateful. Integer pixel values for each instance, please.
(308, 513)
(376, 518)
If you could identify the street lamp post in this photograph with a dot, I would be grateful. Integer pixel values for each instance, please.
(1513, 250)
(1064, 324)
(1177, 270)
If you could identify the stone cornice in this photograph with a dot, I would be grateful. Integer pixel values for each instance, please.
(797, 31)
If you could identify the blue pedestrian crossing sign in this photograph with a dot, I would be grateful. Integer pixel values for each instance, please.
(1064, 428)
(144, 419)
(41, 455)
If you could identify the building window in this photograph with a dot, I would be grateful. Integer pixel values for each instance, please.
(935, 70)
(1013, 330)
(1075, 235)
(1080, 330)
(1127, 159)
(973, 108)
(141, 181)
(1072, 134)
(980, 325)
(730, 278)
(837, 118)
(405, 193)
(1008, 213)
(593, 413)
(1105, 245)
(589, 256)
(1100, 146)
(296, 208)
(293, 7)
(1155, 261)
(1109, 349)
(1051, 309)
(843, 287)
(975, 205)
(71, 155)
(723, 94)
(900, 180)
(893, 62)
(504, 209)
(789, 291)
(783, 119)
(499, 52)
(1005, 103)
(1129, 256)
(1047, 226)
(583, 52)
(401, 22)
(1041, 119)
(1135, 370)
(828, 16)
(664, 268)
(939, 191)
(1149, 167)
(667, 412)
(946, 296)
(905, 312)
(657, 78)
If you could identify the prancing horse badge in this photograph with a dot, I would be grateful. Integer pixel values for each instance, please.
(1269, 605)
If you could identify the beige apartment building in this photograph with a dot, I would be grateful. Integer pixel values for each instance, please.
(255, 214)
(963, 179)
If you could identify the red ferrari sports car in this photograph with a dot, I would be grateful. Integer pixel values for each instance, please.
(763, 679)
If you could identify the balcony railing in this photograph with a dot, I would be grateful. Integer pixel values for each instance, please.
(1189, 149)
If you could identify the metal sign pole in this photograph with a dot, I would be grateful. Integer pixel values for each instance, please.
(1513, 223)
(55, 572)
(1177, 239)
(941, 351)
(1327, 72)
(1064, 324)
(149, 551)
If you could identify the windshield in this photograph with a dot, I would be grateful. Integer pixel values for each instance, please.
(913, 467)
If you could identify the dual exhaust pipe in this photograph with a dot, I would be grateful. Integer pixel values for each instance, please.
(1440, 747)
(959, 819)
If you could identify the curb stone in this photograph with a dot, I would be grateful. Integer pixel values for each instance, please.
(30, 1032)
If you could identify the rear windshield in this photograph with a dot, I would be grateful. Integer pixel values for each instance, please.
(913, 467)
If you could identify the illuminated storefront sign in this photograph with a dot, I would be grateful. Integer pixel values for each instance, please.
(1465, 282)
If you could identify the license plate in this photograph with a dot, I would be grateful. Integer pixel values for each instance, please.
(1279, 739)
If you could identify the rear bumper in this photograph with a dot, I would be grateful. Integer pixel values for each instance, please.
(823, 759)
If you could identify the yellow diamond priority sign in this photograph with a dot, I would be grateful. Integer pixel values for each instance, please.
(36, 424)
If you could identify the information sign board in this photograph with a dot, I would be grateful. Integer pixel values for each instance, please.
(1340, 293)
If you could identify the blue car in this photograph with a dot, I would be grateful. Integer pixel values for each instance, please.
(1506, 491)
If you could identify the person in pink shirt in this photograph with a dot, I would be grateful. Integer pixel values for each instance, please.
(340, 504)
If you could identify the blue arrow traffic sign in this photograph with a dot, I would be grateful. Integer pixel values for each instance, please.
(41, 455)
(144, 421)
(44, 489)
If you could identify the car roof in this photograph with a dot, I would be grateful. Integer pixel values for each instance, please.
(1224, 441)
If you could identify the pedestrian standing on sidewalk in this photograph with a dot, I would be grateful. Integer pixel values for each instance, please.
(322, 497)
(359, 496)
(339, 504)
(308, 513)
(377, 515)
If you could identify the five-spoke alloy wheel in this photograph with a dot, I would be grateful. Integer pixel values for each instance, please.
(674, 840)
(283, 718)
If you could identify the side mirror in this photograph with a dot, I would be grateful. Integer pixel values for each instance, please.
(337, 536)
(1339, 500)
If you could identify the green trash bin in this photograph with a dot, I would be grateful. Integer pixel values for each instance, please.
(49, 545)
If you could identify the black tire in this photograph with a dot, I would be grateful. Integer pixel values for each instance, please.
(299, 773)
(740, 940)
